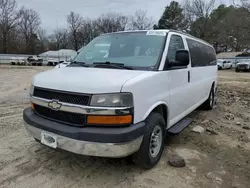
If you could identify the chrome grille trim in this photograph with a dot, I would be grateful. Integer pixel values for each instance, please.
(80, 109)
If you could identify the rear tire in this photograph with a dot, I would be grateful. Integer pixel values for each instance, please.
(152, 145)
(209, 103)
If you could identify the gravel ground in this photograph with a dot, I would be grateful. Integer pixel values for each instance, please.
(219, 157)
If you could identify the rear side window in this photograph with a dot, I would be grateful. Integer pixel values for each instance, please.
(176, 43)
(201, 54)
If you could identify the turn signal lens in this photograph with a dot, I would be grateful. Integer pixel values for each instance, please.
(110, 120)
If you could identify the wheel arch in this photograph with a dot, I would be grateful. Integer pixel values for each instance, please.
(161, 108)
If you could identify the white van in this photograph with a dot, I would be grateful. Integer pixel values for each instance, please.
(123, 104)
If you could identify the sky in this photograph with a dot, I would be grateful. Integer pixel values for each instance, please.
(54, 12)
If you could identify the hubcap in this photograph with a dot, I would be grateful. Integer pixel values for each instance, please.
(155, 141)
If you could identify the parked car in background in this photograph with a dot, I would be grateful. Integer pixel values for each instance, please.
(13, 61)
(243, 66)
(63, 64)
(66, 63)
(123, 100)
(54, 61)
(18, 61)
(223, 64)
(35, 60)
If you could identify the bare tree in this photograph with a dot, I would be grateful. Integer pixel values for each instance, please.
(60, 38)
(75, 23)
(242, 3)
(89, 31)
(29, 25)
(246, 4)
(112, 22)
(199, 8)
(8, 20)
(43, 38)
(198, 11)
(140, 21)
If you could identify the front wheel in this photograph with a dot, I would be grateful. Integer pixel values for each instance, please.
(153, 142)
(237, 70)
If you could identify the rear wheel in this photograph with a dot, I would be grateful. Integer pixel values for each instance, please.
(153, 142)
(209, 103)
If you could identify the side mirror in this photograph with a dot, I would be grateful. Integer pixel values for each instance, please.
(181, 58)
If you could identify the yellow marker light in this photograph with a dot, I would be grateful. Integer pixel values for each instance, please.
(110, 120)
(32, 106)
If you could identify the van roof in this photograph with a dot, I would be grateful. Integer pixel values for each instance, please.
(165, 31)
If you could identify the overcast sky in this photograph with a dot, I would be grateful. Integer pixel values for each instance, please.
(55, 11)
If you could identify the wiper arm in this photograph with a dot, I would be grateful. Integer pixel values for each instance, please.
(83, 64)
(114, 65)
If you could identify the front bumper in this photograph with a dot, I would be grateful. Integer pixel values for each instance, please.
(92, 141)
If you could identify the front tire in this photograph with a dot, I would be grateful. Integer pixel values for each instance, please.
(209, 103)
(152, 145)
(237, 70)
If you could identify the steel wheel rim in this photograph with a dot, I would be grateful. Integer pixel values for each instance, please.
(155, 141)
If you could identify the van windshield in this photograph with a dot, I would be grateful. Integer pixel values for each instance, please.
(139, 50)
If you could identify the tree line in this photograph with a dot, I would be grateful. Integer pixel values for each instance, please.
(226, 27)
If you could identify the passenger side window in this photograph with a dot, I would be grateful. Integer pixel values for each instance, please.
(175, 44)
(201, 54)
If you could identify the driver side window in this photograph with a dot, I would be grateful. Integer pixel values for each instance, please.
(176, 43)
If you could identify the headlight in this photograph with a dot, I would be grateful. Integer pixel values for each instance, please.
(112, 100)
(31, 89)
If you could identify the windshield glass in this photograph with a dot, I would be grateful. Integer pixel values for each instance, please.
(135, 49)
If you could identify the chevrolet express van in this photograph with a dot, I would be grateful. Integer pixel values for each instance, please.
(123, 102)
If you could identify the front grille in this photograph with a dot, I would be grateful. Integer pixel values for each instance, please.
(73, 98)
(242, 66)
(61, 116)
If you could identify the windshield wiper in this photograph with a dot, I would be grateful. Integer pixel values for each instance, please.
(113, 65)
(82, 64)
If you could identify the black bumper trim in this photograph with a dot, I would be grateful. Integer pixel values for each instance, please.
(91, 134)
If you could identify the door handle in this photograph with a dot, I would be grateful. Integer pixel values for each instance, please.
(188, 76)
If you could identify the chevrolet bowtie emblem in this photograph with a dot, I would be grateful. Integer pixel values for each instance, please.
(54, 105)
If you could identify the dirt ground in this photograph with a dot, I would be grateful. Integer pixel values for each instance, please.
(219, 157)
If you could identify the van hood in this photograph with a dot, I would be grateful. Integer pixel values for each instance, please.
(84, 79)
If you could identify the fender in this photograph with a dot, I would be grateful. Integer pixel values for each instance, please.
(154, 106)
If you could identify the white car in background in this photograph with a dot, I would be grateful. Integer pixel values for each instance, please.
(18, 61)
(63, 64)
(223, 64)
(243, 66)
(53, 62)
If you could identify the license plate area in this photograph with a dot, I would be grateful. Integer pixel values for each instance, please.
(49, 139)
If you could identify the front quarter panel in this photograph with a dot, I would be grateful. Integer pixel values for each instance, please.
(149, 90)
